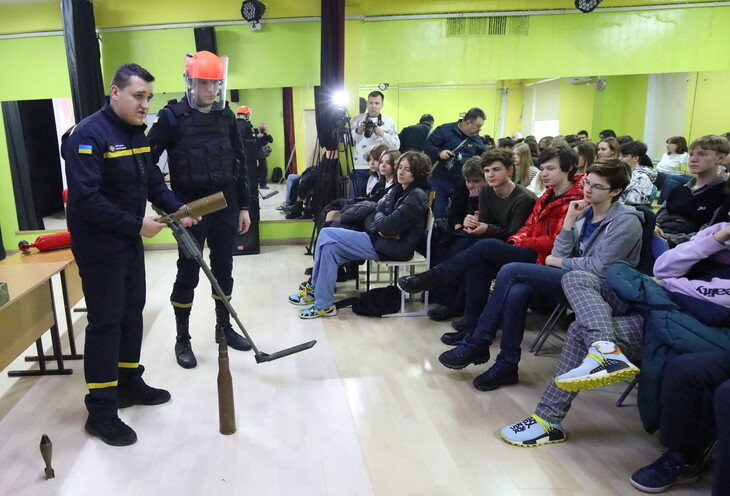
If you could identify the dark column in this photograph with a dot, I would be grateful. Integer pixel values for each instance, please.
(332, 70)
(289, 137)
(83, 57)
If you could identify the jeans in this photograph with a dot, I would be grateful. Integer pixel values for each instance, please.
(290, 180)
(336, 246)
(358, 182)
(696, 388)
(671, 182)
(477, 266)
(518, 285)
(443, 189)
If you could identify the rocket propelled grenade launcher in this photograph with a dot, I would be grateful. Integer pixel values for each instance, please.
(197, 208)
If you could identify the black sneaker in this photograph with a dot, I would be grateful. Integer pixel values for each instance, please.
(420, 282)
(113, 432)
(453, 338)
(141, 395)
(464, 354)
(500, 374)
(234, 340)
(462, 325)
(443, 312)
(663, 474)
(184, 355)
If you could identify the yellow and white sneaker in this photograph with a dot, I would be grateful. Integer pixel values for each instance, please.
(604, 364)
(313, 312)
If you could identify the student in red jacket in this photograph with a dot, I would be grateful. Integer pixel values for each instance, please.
(479, 264)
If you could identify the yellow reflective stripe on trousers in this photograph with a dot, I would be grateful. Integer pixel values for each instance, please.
(128, 365)
(181, 305)
(101, 385)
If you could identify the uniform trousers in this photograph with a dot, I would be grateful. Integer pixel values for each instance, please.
(114, 289)
(220, 230)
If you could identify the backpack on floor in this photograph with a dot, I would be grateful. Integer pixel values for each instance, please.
(276, 175)
(374, 303)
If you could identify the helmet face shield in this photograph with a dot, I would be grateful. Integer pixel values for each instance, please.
(205, 81)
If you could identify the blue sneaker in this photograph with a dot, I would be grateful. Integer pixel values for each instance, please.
(464, 354)
(305, 295)
(313, 313)
(533, 431)
(604, 364)
(663, 474)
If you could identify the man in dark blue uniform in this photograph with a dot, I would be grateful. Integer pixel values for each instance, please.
(205, 155)
(111, 175)
(449, 146)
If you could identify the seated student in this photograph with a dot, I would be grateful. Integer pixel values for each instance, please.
(671, 161)
(608, 148)
(608, 332)
(503, 208)
(641, 187)
(525, 169)
(393, 232)
(596, 232)
(506, 144)
(478, 265)
(586, 151)
(691, 206)
(688, 382)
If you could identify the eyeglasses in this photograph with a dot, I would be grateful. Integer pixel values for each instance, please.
(587, 185)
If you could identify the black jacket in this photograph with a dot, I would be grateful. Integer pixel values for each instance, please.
(399, 222)
(413, 137)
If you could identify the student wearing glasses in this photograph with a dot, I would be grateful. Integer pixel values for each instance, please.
(597, 231)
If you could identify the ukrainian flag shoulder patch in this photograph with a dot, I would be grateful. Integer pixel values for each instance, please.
(85, 149)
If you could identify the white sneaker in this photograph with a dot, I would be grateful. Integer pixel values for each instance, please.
(532, 432)
(604, 364)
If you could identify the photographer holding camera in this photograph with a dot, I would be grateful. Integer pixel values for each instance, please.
(449, 146)
(369, 129)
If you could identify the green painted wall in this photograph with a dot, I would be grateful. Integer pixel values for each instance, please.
(576, 108)
(404, 53)
(621, 106)
(557, 45)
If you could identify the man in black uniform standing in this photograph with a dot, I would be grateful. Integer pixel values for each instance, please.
(205, 154)
(111, 175)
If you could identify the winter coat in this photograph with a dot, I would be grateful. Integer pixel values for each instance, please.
(668, 332)
(399, 222)
(546, 220)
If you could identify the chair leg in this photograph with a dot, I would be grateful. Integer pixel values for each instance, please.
(547, 329)
(626, 392)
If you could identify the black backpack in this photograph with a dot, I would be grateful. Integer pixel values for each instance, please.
(374, 303)
(276, 175)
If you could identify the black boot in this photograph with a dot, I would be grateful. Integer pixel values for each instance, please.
(424, 281)
(183, 351)
(233, 339)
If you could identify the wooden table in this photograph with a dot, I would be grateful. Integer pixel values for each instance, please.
(29, 313)
(70, 285)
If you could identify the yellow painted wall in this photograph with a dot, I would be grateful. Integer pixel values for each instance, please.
(515, 104)
(711, 98)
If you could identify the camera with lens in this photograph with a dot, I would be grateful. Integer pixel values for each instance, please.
(370, 126)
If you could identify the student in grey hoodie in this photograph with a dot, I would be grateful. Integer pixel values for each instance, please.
(597, 231)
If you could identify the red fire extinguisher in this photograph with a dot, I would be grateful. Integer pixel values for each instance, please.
(47, 242)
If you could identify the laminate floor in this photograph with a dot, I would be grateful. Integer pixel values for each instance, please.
(367, 411)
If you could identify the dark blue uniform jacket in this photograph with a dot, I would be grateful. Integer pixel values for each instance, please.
(111, 175)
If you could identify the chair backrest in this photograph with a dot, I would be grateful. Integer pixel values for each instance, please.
(429, 233)
(658, 246)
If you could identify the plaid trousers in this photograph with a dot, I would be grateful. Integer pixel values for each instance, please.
(600, 315)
